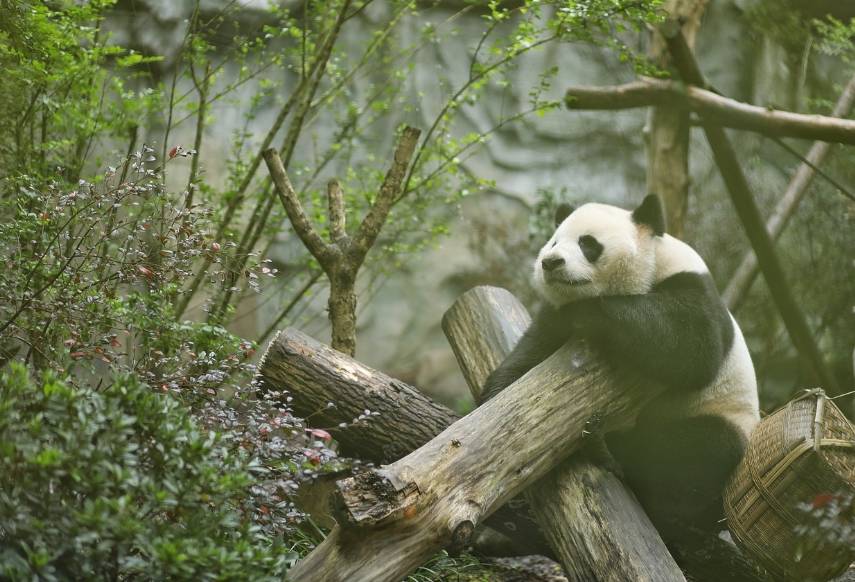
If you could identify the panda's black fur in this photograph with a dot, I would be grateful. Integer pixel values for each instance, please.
(674, 331)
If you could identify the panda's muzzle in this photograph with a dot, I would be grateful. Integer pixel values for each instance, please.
(552, 273)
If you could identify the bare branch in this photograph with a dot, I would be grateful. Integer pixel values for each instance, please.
(376, 217)
(304, 229)
(747, 271)
(713, 107)
(338, 231)
(645, 93)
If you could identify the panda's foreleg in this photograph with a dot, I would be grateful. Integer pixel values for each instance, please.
(542, 338)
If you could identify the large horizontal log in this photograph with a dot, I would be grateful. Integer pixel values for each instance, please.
(712, 108)
(392, 519)
(331, 390)
(593, 522)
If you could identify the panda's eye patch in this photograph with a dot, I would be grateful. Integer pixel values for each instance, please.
(591, 247)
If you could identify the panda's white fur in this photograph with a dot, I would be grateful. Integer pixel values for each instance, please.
(631, 263)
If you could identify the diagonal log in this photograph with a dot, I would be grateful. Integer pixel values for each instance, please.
(712, 107)
(316, 375)
(593, 522)
(393, 519)
(738, 286)
(749, 215)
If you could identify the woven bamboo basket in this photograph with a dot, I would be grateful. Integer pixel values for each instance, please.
(805, 449)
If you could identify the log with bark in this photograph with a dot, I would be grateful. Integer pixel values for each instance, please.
(332, 390)
(592, 520)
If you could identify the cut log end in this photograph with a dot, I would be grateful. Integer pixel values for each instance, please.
(370, 497)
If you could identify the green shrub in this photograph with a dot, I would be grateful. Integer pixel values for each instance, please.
(121, 482)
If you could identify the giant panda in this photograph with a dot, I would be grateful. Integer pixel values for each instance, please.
(647, 303)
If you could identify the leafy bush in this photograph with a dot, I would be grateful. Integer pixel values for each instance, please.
(120, 483)
(829, 523)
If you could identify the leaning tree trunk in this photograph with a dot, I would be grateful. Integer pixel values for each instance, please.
(393, 519)
(593, 522)
(742, 279)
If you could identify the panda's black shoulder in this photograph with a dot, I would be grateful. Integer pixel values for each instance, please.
(699, 290)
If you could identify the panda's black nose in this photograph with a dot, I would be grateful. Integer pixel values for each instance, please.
(551, 263)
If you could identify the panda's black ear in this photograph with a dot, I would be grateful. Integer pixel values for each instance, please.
(563, 211)
(650, 214)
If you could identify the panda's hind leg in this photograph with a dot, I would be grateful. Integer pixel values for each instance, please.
(678, 469)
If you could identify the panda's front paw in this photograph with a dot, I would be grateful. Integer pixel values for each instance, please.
(492, 386)
(595, 450)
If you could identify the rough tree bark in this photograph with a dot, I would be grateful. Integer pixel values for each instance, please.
(713, 108)
(393, 519)
(738, 286)
(593, 522)
(669, 125)
(749, 215)
(342, 257)
(316, 375)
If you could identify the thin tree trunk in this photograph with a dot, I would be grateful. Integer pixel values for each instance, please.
(342, 310)
(668, 137)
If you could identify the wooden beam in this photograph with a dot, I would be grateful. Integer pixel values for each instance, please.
(712, 108)
(749, 214)
(593, 522)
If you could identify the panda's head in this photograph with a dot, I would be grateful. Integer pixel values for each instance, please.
(599, 250)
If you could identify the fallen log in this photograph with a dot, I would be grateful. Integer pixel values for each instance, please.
(332, 391)
(392, 519)
(593, 522)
